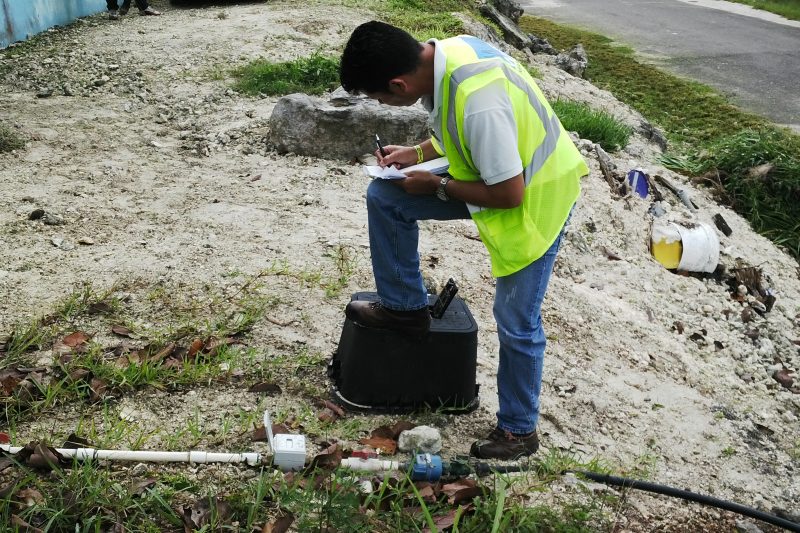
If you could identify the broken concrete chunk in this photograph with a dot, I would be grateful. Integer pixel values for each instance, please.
(423, 439)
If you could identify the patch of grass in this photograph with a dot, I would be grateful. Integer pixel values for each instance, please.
(10, 139)
(708, 136)
(424, 25)
(312, 75)
(597, 125)
(789, 9)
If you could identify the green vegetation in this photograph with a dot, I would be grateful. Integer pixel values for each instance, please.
(753, 164)
(9, 139)
(599, 126)
(311, 75)
(789, 9)
(164, 499)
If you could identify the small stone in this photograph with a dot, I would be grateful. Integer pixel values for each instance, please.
(67, 90)
(423, 439)
(36, 214)
(51, 219)
(86, 241)
(742, 526)
(44, 93)
(99, 83)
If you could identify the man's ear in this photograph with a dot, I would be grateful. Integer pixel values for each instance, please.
(398, 86)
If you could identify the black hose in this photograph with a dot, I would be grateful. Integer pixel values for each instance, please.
(694, 497)
(483, 469)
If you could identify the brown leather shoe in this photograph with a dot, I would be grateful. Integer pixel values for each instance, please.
(501, 444)
(374, 315)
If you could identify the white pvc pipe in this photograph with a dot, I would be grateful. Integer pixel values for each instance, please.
(369, 465)
(192, 456)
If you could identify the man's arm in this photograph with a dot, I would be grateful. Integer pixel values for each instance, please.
(504, 195)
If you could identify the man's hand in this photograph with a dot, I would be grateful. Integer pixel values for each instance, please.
(399, 156)
(419, 182)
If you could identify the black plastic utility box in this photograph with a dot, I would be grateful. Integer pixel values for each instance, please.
(386, 371)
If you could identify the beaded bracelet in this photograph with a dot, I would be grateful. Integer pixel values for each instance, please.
(420, 155)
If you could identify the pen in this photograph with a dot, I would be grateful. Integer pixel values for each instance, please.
(380, 146)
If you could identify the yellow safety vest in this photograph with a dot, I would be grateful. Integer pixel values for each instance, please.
(552, 164)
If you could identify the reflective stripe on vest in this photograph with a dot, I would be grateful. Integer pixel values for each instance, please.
(552, 127)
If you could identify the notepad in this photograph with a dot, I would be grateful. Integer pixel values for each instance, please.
(435, 166)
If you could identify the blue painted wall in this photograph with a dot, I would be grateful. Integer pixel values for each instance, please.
(21, 19)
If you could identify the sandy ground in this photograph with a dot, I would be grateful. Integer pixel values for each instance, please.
(152, 158)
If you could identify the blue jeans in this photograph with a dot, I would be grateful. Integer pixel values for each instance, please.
(393, 238)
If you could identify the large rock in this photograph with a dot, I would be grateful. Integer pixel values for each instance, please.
(342, 126)
(511, 32)
(509, 8)
(574, 61)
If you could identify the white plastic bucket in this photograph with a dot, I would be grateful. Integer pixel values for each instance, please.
(699, 245)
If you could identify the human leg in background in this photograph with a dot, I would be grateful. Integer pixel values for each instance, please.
(393, 236)
(113, 9)
(517, 312)
(142, 5)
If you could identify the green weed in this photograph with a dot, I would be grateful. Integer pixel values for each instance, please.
(599, 126)
(312, 75)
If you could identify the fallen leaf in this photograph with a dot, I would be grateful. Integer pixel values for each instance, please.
(784, 377)
(140, 487)
(29, 497)
(75, 339)
(195, 347)
(333, 407)
(260, 433)
(98, 390)
(4, 439)
(162, 354)
(329, 459)
(460, 491)
(399, 427)
(74, 441)
(268, 388)
(443, 522)
(326, 415)
(280, 524)
(44, 457)
(22, 526)
(387, 446)
(122, 331)
(611, 255)
(383, 432)
(203, 510)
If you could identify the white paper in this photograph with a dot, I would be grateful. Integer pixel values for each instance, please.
(436, 166)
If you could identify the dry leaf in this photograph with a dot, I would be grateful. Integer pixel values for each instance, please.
(270, 389)
(76, 339)
(326, 415)
(401, 426)
(279, 525)
(162, 354)
(98, 388)
(139, 488)
(74, 441)
(386, 446)
(195, 347)
(122, 331)
(22, 526)
(784, 377)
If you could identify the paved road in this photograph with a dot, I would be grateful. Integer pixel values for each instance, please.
(749, 55)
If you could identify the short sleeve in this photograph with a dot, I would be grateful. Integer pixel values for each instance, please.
(490, 131)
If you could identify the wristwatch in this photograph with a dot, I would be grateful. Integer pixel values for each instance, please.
(441, 191)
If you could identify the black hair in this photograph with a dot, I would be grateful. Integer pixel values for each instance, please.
(375, 53)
